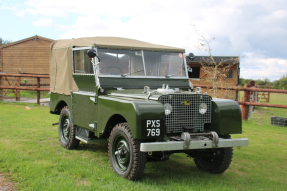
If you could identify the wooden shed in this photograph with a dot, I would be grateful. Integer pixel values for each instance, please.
(27, 56)
(30, 55)
(198, 77)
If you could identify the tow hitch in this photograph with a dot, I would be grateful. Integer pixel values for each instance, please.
(186, 137)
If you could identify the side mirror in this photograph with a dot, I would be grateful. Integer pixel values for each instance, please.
(92, 53)
(189, 69)
(191, 56)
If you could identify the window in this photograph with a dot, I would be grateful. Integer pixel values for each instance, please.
(82, 62)
(195, 72)
(120, 62)
(163, 64)
(229, 74)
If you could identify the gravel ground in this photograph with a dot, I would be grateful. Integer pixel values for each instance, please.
(28, 100)
(5, 185)
(43, 101)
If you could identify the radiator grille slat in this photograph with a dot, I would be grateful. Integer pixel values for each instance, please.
(186, 115)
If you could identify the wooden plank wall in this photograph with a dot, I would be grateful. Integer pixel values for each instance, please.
(31, 56)
(1, 78)
(227, 82)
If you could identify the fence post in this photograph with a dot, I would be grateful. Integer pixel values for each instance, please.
(17, 92)
(245, 107)
(269, 93)
(1, 90)
(38, 92)
(1, 78)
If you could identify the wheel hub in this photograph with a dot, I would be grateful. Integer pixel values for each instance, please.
(66, 129)
(122, 155)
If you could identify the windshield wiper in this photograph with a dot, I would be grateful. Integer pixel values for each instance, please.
(167, 76)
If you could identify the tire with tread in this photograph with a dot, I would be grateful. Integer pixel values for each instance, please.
(216, 165)
(131, 162)
(67, 131)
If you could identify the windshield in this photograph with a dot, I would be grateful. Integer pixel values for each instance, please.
(164, 64)
(121, 62)
(140, 63)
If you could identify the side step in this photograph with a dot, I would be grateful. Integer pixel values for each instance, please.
(90, 141)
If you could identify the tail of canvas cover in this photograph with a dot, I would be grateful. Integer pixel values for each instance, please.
(61, 70)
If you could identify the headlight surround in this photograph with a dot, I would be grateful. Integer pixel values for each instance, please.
(202, 108)
(167, 108)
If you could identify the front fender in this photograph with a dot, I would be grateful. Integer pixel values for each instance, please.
(226, 117)
(134, 111)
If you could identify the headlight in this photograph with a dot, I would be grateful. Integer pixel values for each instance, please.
(202, 108)
(167, 108)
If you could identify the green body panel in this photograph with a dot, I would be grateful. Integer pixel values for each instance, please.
(55, 99)
(141, 82)
(84, 111)
(85, 82)
(225, 117)
(134, 111)
(226, 114)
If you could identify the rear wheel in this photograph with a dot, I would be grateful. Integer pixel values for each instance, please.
(218, 160)
(124, 153)
(67, 131)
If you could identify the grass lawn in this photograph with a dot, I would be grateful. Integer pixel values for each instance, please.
(262, 115)
(31, 156)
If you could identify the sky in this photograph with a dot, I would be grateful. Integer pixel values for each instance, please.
(255, 30)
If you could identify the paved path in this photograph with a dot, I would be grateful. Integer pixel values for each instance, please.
(43, 101)
(5, 185)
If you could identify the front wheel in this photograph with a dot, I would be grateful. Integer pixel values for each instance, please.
(124, 153)
(217, 161)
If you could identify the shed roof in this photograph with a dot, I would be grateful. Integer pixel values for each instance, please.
(113, 42)
(198, 59)
(26, 39)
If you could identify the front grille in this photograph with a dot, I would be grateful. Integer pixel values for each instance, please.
(186, 115)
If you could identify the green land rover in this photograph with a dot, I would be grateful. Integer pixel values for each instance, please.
(137, 97)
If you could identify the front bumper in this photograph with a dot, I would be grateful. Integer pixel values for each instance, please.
(193, 144)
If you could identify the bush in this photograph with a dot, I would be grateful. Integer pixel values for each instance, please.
(277, 84)
(280, 84)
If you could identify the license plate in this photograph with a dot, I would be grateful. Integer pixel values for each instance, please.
(152, 128)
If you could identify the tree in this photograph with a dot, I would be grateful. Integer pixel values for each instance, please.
(280, 84)
(265, 81)
(243, 81)
(2, 41)
(216, 71)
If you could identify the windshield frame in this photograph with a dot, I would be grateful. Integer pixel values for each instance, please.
(144, 67)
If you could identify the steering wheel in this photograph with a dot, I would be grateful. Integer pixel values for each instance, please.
(113, 67)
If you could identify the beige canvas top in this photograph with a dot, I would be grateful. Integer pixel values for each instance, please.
(61, 69)
(114, 42)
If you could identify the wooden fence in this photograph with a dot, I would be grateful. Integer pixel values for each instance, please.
(15, 85)
(264, 97)
(247, 100)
